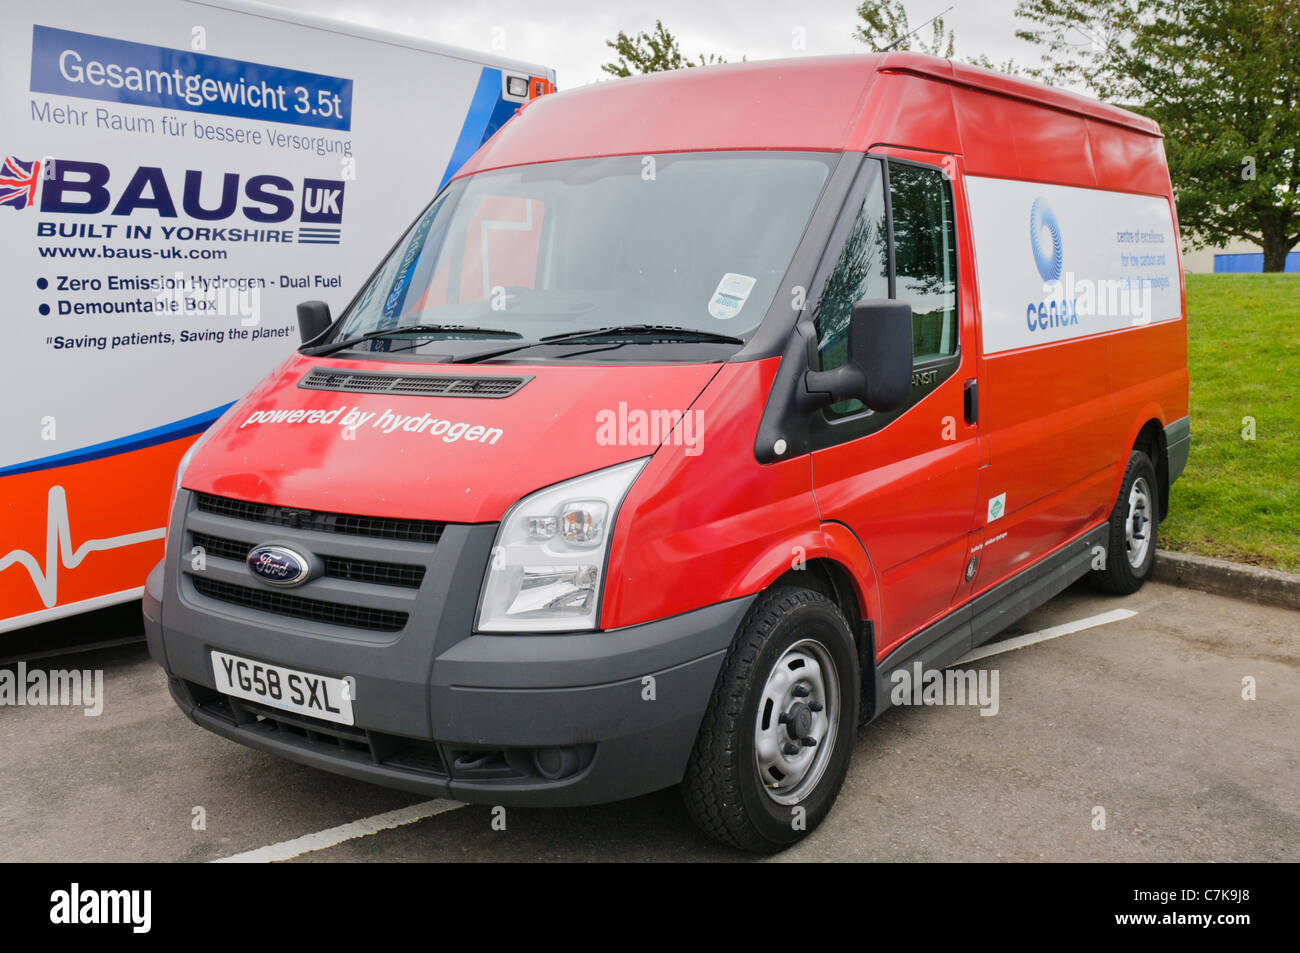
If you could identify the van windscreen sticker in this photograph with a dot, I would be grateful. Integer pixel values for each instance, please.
(1056, 262)
(730, 295)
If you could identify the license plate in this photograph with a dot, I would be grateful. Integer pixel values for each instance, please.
(316, 695)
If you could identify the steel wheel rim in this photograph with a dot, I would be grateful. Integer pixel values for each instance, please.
(803, 686)
(1138, 523)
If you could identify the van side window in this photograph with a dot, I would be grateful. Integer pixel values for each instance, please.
(925, 268)
(862, 271)
(925, 257)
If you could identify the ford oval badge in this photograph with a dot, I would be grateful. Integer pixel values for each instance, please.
(278, 565)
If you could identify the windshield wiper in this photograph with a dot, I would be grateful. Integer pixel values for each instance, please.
(657, 331)
(430, 329)
(660, 331)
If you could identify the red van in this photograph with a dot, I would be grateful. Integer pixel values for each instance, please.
(695, 406)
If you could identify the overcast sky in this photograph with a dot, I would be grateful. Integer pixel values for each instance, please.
(570, 35)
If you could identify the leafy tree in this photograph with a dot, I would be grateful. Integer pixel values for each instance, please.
(1222, 77)
(652, 52)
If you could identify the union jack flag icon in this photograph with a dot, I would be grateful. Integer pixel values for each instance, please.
(18, 182)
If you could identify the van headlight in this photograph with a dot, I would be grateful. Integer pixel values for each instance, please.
(548, 561)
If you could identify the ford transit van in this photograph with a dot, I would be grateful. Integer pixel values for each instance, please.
(693, 408)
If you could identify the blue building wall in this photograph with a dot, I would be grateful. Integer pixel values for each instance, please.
(1251, 263)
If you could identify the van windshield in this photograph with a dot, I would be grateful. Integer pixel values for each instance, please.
(696, 241)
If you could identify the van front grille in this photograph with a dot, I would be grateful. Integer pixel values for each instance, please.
(338, 567)
(315, 610)
(379, 527)
(417, 385)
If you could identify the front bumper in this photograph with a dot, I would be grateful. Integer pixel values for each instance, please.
(526, 720)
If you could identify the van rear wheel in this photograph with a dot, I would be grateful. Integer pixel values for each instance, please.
(1131, 545)
(775, 742)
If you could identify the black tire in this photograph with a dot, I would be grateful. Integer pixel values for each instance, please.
(1119, 575)
(722, 787)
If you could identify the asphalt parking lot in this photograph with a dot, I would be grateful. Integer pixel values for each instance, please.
(1142, 717)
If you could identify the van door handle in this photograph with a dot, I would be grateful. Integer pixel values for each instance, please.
(972, 401)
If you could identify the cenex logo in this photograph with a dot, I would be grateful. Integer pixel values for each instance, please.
(1048, 260)
(1060, 311)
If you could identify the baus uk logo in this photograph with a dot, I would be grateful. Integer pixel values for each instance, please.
(74, 187)
(1045, 240)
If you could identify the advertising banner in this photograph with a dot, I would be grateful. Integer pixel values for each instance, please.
(1056, 262)
(176, 177)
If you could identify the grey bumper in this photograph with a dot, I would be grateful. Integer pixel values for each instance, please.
(543, 720)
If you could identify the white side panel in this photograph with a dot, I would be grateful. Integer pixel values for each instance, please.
(1056, 262)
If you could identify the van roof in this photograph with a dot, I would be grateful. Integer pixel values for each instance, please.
(817, 103)
(1026, 90)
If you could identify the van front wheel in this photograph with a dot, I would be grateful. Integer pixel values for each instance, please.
(1131, 544)
(775, 742)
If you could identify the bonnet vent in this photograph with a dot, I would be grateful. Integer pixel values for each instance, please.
(418, 385)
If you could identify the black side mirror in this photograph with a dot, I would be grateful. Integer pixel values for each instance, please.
(878, 370)
(313, 320)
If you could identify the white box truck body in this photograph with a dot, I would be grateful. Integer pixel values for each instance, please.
(176, 176)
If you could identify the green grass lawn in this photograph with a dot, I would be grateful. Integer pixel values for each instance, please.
(1239, 499)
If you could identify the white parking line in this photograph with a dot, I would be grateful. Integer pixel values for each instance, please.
(287, 850)
(1055, 632)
